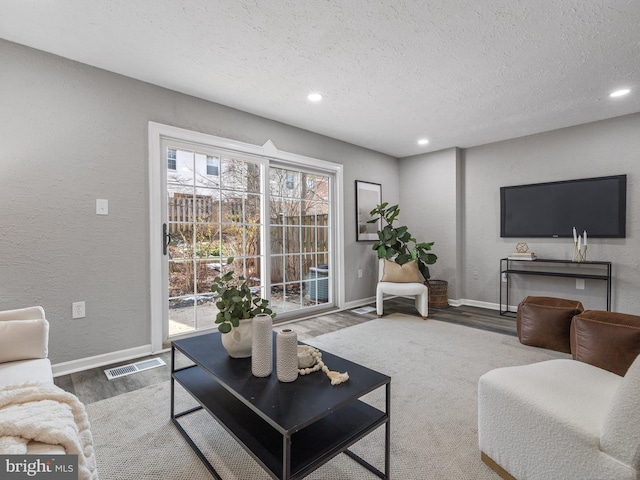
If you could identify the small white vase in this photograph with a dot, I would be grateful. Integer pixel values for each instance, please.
(262, 345)
(287, 355)
(238, 341)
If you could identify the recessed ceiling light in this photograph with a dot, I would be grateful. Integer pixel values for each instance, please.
(314, 97)
(423, 141)
(620, 93)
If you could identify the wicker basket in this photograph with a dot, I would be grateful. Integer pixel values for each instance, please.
(438, 293)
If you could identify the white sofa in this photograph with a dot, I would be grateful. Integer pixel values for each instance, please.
(24, 340)
(560, 419)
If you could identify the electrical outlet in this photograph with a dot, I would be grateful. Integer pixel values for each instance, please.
(579, 283)
(359, 273)
(77, 310)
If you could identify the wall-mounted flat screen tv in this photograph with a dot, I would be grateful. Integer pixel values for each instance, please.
(597, 205)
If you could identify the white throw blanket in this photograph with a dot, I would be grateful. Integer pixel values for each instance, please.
(45, 413)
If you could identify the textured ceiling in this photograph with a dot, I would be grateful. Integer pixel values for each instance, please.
(459, 72)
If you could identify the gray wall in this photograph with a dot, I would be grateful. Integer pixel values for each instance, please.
(431, 206)
(71, 133)
(603, 148)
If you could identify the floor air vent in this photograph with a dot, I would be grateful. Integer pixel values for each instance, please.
(363, 310)
(125, 370)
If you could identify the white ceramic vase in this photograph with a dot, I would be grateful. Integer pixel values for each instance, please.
(287, 355)
(262, 346)
(238, 341)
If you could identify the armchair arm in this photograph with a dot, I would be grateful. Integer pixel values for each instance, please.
(24, 334)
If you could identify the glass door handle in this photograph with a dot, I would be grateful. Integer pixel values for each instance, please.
(166, 238)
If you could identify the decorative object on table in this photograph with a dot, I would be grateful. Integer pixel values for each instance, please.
(237, 342)
(310, 360)
(237, 305)
(307, 357)
(368, 195)
(579, 248)
(287, 355)
(262, 345)
(522, 253)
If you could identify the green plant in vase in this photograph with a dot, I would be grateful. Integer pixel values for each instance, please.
(236, 301)
(397, 243)
(237, 305)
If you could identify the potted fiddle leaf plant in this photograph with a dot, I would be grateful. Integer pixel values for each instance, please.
(237, 305)
(397, 243)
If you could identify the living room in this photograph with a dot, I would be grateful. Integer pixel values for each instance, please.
(73, 133)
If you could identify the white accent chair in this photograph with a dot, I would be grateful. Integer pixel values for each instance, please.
(419, 290)
(560, 419)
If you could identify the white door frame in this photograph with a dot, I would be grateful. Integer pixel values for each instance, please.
(157, 173)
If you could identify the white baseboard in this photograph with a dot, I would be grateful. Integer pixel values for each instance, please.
(479, 304)
(488, 305)
(358, 303)
(65, 368)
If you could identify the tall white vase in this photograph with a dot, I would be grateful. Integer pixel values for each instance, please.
(262, 345)
(238, 341)
(287, 355)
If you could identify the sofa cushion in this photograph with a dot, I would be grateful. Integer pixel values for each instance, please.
(546, 322)
(406, 273)
(23, 339)
(608, 340)
(22, 371)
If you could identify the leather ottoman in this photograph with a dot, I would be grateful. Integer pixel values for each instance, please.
(608, 340)
(546, 322)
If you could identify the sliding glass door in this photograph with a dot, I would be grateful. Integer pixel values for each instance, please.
(275, 218)
(300, 239)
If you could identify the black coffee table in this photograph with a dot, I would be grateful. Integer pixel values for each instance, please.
(290, 429)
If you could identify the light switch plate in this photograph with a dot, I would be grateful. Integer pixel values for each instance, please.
(102, 206)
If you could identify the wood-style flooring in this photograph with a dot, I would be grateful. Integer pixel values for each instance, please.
(92, 385)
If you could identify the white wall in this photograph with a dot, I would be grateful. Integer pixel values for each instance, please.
(70, 134)
(603, 148)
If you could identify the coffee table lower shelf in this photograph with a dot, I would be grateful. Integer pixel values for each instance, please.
(282, 455)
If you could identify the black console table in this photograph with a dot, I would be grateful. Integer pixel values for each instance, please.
(551, 268)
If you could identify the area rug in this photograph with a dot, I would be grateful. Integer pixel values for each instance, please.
(434, 367)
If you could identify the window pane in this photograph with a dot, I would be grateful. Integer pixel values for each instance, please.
(181, 278)
(277, 240)
(252, 209)
(252, 240)
(206, 271)
(292, 268)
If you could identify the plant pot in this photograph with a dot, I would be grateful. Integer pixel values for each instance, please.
(237, 342)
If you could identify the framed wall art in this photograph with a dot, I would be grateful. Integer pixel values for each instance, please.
(368, 196)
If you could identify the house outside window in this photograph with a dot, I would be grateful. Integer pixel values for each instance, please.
(213, 165)
(290, 181)
(171, 159)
